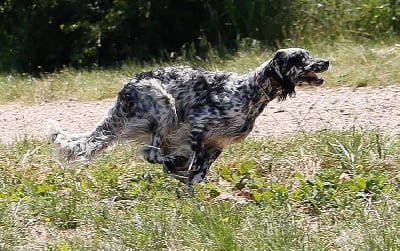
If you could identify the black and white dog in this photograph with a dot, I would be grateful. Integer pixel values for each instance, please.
(186, 116)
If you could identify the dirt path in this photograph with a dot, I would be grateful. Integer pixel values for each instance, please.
(312, 109)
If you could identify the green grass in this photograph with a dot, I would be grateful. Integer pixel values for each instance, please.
(351, 65)
(319, 191)
(312, 191)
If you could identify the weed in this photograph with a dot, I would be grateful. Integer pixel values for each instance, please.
(350, 66)
(325, 190)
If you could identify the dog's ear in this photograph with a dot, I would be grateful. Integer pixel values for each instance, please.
(280, 63)
(274, 68)
(278, 68)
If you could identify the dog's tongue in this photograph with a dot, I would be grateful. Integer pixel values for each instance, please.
(311, 75)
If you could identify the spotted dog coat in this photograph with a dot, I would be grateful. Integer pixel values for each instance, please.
(186, 116)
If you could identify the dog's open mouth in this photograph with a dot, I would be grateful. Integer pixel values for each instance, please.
(310, 78)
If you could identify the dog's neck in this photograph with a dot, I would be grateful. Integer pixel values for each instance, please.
(258, 96)
(264, 89)
(272, 83)
(267, 87)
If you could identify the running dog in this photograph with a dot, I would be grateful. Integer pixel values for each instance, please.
(185, 117)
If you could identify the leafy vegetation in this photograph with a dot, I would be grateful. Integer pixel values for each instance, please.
(312, 191)
(351, 65)
(319, 191)
(39, 36)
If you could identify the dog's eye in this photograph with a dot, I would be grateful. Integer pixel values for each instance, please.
(304, 58)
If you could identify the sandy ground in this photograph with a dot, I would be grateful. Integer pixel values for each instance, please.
(312, 109)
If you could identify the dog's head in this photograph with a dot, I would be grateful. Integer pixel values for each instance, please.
(293, 67)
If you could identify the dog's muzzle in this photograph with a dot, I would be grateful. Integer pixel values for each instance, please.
(310, 74)
(319, 65)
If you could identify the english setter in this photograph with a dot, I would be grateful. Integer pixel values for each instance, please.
(186, 116)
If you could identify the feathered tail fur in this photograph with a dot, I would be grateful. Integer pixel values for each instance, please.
(83, 147)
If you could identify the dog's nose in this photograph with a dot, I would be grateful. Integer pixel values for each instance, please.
(324, 63)
(318, 65)
(327, 64)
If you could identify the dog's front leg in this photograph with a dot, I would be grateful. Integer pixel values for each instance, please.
(203, 163)
(203, 156)
(197, 136)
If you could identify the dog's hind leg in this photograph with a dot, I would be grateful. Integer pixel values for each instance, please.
(142, 107)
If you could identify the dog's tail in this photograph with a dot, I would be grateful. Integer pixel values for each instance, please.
(83, 147)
